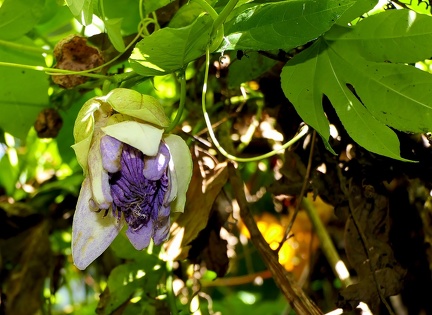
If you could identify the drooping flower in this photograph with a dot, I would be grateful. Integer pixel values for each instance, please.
(134, 174)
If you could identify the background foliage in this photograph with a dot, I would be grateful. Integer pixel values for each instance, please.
(356, 188)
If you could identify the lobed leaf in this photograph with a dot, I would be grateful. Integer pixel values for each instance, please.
(393, 35)
(398, 95)
(302, 87)
(318, 71)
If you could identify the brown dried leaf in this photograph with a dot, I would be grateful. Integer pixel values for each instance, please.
(210, 248)
(367, 249)
(208, 178)
(48, 123)
(73, 53)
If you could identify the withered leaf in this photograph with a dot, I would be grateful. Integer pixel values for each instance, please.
(73, 53)
(48, 123)
(366, 238)
(208, 178)
(210, 248)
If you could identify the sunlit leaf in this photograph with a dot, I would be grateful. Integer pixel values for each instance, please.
(283, 25)
(113, 27)
(328, 75)
(127, 10)
(23, 92)
(126, 279)
(82, 9)
(356, 10)
(171, 49)
(393, 35)
(17, 17)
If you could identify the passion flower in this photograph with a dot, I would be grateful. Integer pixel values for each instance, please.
(134, 174)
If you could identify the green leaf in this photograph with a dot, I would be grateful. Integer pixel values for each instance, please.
(113, 27)
(127, 10)
(82, 9)
(301, 86)
(153, 5)
(23, 93)
(398, 95)
(248, 68)
(328, 74)
(17, 17)
(171, 49)
(123, 281)
(75, 6)
(126, 279)
(186, 15)
(9, 175)
(394, 35)
(285, 24)
(357, 10)
(122, 248)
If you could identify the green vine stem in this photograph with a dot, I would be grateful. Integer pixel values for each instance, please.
(169, 287)
(326, 243)
(224, 14)
(182, 102)
(208, 8)
(52, 70)
(22, 47)
(303, 131)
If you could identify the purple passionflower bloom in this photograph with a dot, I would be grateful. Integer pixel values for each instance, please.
(131, 173)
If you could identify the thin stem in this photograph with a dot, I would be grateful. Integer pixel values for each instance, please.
(302, 192)
(304, 129)
(208, 8)
(297, 298)
(56, 71)
(22, 47)
(181, 103)
(224, 14)
(326, 243)
(141, 12)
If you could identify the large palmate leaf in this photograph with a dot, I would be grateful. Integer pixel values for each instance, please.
(17, 17)
(394, 35)
(284, 25)
(23, 93)
(170, 49)
(368, 96)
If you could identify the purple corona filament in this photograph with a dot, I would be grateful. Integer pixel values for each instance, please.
(140, 188)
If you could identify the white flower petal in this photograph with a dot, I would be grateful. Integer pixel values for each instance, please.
(92, 233)
(135, 104)
(99, 178)
(182, 159)
(172, 179)
(145, 138)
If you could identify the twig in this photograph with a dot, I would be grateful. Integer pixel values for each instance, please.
(298, 300)
(326, 243)
(302, 192)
